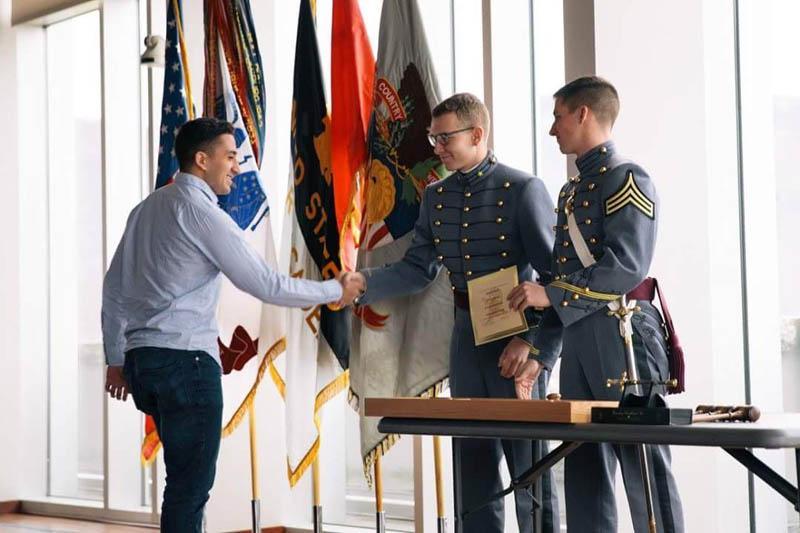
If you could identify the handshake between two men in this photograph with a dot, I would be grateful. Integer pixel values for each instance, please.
(353, 285)
(526, 294)
(514, 362)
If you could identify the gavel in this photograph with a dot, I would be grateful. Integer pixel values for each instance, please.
(726, 413)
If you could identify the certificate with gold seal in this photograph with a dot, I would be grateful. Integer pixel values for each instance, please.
(491, 317)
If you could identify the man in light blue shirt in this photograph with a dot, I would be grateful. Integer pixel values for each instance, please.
(160, 296)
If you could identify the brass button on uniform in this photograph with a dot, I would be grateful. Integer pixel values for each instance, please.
(466, 209)
(464, 240)
(502, 237)
(467, 257)
(565, 227)
(585, 203)
(592, 186)
(437, 240)
(507, 184)
(452, 287)
(588, 221)
(562, 259)
(439, 206)
(439, 189)
(468, 194)
(577, 179)
(465, 225)
(575, 296)
(603, 170)
(503, 254)
(603, 149)
(593, 240)
(440, 258)
(562, 194)
(564, 303)
(500, 203)
(469, 272)
(437, 223)
(499, 220)
(480, 173)
(565, 244)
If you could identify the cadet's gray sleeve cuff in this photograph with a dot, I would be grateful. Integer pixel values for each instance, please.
(571, 303)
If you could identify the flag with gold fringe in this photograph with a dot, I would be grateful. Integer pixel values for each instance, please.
(396, 352)
(318, 345)
(234, 91)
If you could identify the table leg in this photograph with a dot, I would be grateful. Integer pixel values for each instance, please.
(537, 489)
(797, 472)
(768, 475)
(457, 501)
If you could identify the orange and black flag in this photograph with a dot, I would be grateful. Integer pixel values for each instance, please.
(314, 369)
(314, 197)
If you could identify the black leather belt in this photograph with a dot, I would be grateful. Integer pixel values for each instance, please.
(461, 299)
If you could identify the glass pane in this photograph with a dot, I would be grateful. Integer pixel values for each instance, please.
(548, 47)
(511, 83)
(770, 109)
(468, 38)
(786, 109)
(437, 19)
(76, 258)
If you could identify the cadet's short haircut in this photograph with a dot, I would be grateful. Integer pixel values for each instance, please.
(595, 93)
(468, 108)
(198, 135)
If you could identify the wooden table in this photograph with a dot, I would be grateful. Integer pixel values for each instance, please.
(771, 431)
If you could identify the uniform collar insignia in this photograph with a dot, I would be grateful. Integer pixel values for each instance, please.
(595, 159)
(479, 171)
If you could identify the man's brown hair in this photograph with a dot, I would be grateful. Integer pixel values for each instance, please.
(595, 93)
(468, 108)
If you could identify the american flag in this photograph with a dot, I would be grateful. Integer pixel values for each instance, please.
(174, 112)
(174, 108)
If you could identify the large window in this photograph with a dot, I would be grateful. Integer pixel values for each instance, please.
(94, 177)
(770, 126)
(75, 258)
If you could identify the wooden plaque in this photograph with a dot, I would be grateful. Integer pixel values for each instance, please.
(509, 410)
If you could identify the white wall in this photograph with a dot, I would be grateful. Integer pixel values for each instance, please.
(9, 266)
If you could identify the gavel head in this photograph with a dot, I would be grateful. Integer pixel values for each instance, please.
(752, 413)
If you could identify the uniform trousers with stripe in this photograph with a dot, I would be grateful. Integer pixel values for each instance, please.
(593, 351)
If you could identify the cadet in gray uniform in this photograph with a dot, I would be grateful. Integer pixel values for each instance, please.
(614, 208)
(483, 217)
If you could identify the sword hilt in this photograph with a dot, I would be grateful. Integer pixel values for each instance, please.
(625, 381)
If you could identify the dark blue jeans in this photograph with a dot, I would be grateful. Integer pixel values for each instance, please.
(182, 391)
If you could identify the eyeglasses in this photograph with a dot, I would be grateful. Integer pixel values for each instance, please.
(444, 137)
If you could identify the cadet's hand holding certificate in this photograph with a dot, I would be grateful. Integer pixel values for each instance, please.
(491, 317)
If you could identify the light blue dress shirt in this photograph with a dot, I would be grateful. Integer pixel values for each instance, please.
(162, 287)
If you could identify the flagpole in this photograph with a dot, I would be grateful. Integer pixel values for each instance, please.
(317, 499)
(256, 501)
(441, 524)
(380, 515)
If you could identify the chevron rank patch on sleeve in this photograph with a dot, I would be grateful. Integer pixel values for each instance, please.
(630, 194)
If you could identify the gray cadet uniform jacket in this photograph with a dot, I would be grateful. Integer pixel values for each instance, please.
(473, 224)
(615, 206)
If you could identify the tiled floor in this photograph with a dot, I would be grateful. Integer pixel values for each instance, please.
(16, 523)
